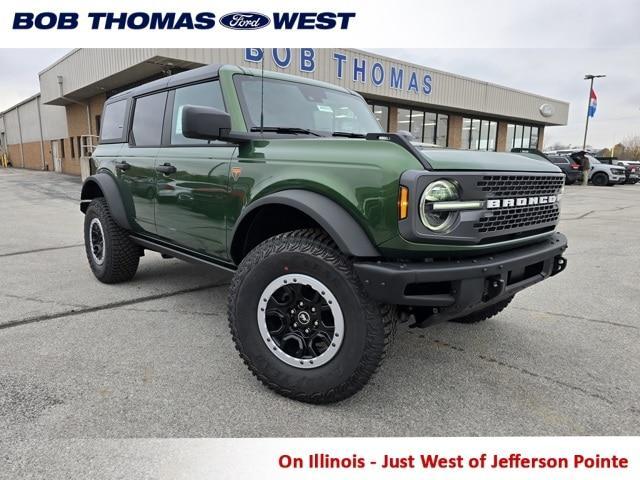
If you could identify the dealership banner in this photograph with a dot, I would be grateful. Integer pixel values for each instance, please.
(487, 458)
(326, 23)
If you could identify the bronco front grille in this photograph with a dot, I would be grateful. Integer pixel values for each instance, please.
(505, 219)
(520, 185)
(519, 218)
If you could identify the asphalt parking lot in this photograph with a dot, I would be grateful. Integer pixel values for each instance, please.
(153, 358)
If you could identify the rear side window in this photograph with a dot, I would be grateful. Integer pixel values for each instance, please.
(113, 121)
(148, 116)
(206, 94)
(559, 160)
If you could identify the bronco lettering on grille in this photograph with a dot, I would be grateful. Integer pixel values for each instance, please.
(521, 202)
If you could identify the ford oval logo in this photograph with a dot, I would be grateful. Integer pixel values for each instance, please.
(244, 20)
(547, 110)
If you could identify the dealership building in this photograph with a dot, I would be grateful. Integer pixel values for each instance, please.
(57, 128)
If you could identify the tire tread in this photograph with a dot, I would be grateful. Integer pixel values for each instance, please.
(317, 243)
(121, 262)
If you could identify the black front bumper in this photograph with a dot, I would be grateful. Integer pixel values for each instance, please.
(454, 288)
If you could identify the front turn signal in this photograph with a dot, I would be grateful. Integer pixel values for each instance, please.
(403, 203)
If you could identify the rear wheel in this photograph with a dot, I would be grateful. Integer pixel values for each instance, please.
(485, 313)
(600, 179)
(112, 256)
(302, 321)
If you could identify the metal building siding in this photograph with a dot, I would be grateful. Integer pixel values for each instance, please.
(54, 122)
(11, 123)
(85, 67)
(29, 121)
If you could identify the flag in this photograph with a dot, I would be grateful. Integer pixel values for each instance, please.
(593, 103)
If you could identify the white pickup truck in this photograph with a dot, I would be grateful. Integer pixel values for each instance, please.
(601, 174)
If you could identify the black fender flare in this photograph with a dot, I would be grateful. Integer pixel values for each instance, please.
(350, 237)
(106, 184)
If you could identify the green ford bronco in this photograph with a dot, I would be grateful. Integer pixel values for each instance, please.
(333, 229)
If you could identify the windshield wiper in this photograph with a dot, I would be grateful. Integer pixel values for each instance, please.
(285, 130)
(348, 134)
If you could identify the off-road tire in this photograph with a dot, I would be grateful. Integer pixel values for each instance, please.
(368, 327)
(600, 180)
(121, 255)
(485, 313)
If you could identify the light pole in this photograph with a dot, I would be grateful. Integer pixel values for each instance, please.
(585, 163)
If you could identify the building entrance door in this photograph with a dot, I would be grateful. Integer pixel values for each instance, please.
(55, 152)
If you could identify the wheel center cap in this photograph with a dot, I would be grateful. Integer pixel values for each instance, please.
(304, 317)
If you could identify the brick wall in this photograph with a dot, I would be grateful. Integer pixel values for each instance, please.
(15, 156)
(541, 138)
(501, 142)
(455, 131)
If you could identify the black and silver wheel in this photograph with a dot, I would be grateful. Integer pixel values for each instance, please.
(96, 241)
(112, 256)
(600, 179)
(302, 321)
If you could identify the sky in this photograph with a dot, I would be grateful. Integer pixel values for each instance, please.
(552, 72)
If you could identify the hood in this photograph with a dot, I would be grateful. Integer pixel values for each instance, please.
(445, 159)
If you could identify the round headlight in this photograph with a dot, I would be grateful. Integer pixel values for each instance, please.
(438, 191)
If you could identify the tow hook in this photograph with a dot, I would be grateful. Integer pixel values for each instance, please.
(494, 286)
(559, 264)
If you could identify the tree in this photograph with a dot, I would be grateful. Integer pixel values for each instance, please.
(605, 152)
(618, 150)
(631, 148)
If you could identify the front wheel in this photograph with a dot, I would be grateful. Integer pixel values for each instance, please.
(302, 321)
(600, 179)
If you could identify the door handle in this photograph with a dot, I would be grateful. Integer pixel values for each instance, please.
(122, 165)
(166, 168)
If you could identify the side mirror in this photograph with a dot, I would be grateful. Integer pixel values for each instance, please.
(205, 123)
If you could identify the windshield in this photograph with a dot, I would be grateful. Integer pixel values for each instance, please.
(297, 105)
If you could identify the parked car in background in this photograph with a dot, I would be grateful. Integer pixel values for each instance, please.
(600, 174)
(570, 168)
(631, 170)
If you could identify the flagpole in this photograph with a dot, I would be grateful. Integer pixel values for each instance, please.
(585, 164)
(586, 126)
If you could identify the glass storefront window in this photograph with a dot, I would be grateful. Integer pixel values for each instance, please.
(479, 134)
(404, 120)
(484, 135)
(517, 139)
(381, 113)
(526, 136)
(442, 131)
(522, 136)
(417, 119)
(534, 137)
(510, 136)
(466, 133)
(475, 134)
(429, 127)
(493, 135)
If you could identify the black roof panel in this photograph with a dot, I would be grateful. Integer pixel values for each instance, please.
(190, 76)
